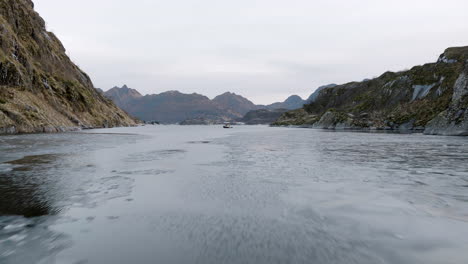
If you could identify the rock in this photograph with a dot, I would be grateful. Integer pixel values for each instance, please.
(49, 129)
(454, 120)
(334, 120)
(443, 125)
(262, 116)
(298, 117)
(421, 91)
(407, 126)
(460, 89)
(433, 96)
(40, 84)
(8, 130)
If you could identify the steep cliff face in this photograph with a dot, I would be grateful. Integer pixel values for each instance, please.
(454, 120)
(431, 97)
(41, 90)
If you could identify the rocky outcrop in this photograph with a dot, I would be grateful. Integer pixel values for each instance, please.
(454, 120)
(299, 117)
(315, 94)
(430, 98)
(334, 120)
(41, 90)
(262, 116)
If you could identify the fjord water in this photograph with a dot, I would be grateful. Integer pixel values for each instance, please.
(203, 194)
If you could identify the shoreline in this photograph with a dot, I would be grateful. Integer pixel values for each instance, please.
(13, 130)
(372, 130)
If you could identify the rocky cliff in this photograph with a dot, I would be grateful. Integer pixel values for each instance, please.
(41, 90)
(430, 98)
(262, 116)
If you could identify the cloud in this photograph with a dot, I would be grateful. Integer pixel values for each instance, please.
(263, 49)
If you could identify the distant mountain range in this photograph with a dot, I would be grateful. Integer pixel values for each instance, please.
(177, 107)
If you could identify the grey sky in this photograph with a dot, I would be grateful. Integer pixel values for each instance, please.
(265, 50)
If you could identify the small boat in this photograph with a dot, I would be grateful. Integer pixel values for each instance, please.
(227, 125)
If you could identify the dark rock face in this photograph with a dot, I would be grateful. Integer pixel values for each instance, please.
(41, 90)
(262, 116)
(431, 97)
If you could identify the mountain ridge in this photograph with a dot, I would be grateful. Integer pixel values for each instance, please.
(432, 98)
(42, 90)
(176, 107)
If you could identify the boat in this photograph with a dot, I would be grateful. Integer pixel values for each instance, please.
(227, 125)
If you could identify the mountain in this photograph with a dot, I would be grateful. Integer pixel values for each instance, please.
(41, 90)
(122, 96)
(296, 102)
(176, 107)
(291, 103)
(315, 94)
(235, 103)
(171, 106)
(432, 98)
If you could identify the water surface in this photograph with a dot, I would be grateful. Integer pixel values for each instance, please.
(253, 194)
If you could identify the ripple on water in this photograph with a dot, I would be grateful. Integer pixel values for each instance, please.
(28, 240)
(154, 155)
(145, 172)
(199, 142)
(92, 193)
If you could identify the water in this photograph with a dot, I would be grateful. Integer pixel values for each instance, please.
(203, 194)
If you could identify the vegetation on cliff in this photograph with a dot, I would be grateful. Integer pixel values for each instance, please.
(41, 90)
(396, 100)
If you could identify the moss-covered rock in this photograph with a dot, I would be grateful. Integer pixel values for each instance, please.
(395, 100)
(298, 117)
(35, 72)
(454, 120)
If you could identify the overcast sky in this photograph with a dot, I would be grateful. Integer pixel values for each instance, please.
(265, 50)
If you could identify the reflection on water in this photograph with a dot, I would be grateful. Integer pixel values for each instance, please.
(41, 177)
(170, 194)
(25, 189)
